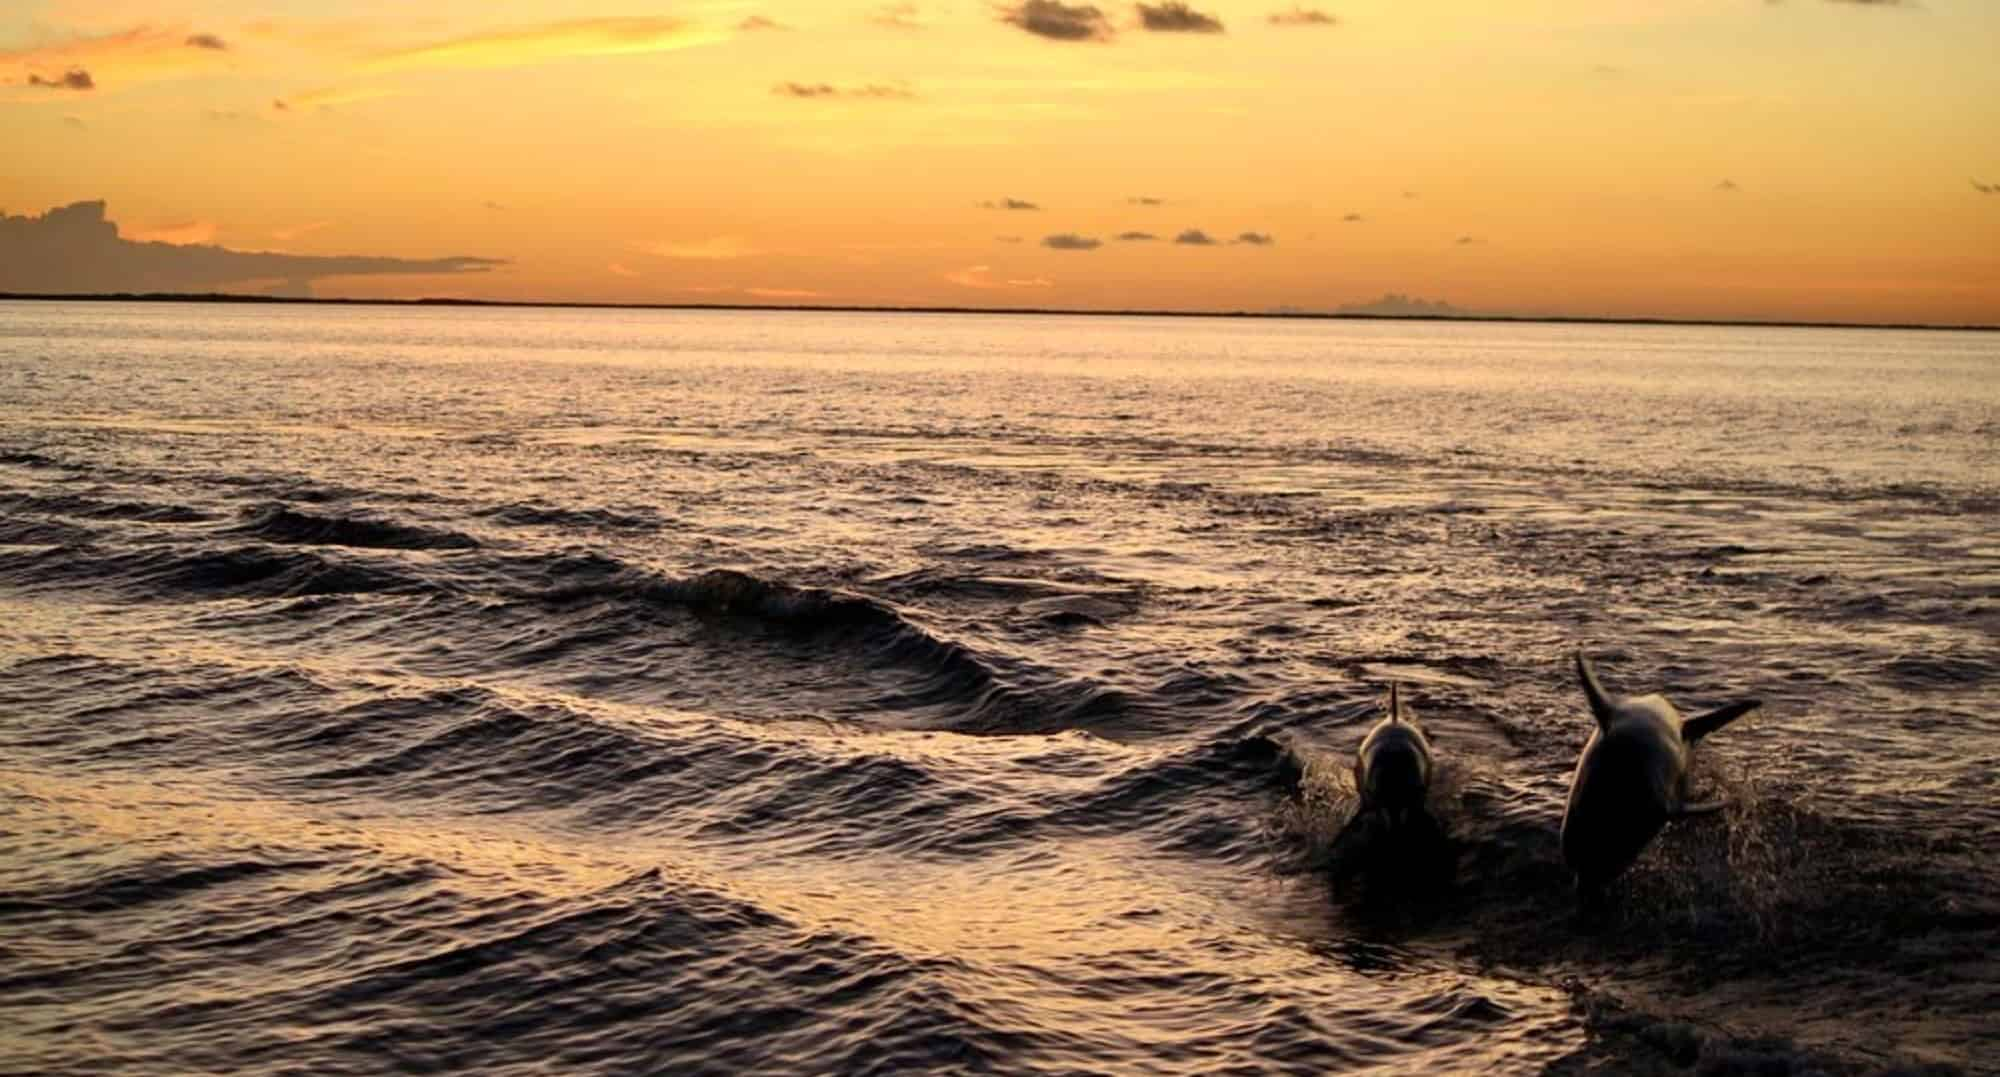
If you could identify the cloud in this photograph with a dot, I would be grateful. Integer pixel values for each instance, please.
(883, 92)
(330, 97)
(1070, 241)
(759, 22)
(1010, 239)
(286, 235)
(225, 115)
(1136, 237)
(821, 90)
(494, 206)
(1255, 239)
(897, 17)
(760, 291)
(1144, 200)
(75, 78)
(1175, 17)
(75, 121)
(1727, 185)
(972, 277)
(183, 234)
(978, 277)
(1465, 241)
(618, 269)
(1301, 16)
(715, 249)
(206, 41)
(109, 59)
(1010, 203)
(1058, 21)
(75, 249)
(1195, 237)
(628, 35)
(1985, 188)
(1353, 218)
(1398, 305)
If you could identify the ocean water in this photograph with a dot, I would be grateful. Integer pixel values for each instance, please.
(548, 691)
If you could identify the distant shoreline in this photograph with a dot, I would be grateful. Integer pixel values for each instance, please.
(1549, 319)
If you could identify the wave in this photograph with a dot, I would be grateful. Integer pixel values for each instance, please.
(299, 488)
(84, 507)
(539, 972)
(528, 514)
(174, 573)
(625, 767)
(484, 751)
(972, 692)
(729, 593)
(1945, 670)
(23, 458)
(277, 522)
(162, 880)
(16, 532)
(1951, 498)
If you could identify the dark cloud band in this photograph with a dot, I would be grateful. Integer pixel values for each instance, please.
(75, 78)
(1070, 241)
(823, 90)
(1058, 21)
(1175, 17)
(1301, 16)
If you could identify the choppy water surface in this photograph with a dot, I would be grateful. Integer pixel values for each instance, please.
(561, 691)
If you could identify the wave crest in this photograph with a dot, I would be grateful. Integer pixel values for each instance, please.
(278, 522)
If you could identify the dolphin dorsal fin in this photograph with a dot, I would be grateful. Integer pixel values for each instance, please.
(1395, 703)
(1701, 725)
(1600, 706)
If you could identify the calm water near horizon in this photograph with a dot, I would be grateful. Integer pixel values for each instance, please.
(528, 691)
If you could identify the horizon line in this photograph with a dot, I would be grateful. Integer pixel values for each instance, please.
(1301, 315)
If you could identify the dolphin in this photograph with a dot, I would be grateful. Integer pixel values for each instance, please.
(1631, 778)
(1393, 839)
(1392, 769)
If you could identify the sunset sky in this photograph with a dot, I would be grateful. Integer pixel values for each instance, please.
(1814, 159)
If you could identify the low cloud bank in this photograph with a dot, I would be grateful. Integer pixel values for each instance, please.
(76, 250)
(1398, 305)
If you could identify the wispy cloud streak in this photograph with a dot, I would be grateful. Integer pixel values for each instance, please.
(572, 38)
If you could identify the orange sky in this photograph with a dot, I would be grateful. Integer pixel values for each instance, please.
(1816, 159)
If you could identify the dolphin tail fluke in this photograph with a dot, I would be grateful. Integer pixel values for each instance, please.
(1600, 705)
(1701, 725)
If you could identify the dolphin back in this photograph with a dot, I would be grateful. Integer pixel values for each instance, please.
(1625, 788)
(1396, 774)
